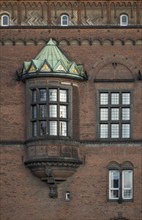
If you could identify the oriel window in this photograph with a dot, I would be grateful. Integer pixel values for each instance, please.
(50, 110)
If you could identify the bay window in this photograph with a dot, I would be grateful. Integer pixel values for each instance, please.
(50, 110)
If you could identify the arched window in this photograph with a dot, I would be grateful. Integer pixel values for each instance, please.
(64, 20)
(4, 20)
(123, 20)
(120, 181)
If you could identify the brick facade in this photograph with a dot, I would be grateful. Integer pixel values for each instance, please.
(23, 195)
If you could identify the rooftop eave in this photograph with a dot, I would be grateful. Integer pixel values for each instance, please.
(68, 75)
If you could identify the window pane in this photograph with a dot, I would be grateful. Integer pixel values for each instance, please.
(34, 128)
(53, 127)
(53, 95)
(127, 194)
(43, 128)
(104, 131)
(127, 178)
(114, 131)
(114, 98)
(63, 111)
(114, 182)
(53, 111)
(34, 97)
(65, 20)
(42, 95)
(34, 112)
(126, 98)
(104, 114)
(124, 18)
(115, 179)
(63, 96)
(125, 113)
(114, 194)
(115, 114)
(63, 128)
(42, 111)
(127, 184)
(104, 98)
(125, 130)
(5, 20)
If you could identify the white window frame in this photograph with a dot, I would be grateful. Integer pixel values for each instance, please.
(122, 23)
(121, 185)
(110, 185)
(2, 20)
(62, 20)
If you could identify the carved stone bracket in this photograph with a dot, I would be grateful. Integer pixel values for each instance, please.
(51, 183)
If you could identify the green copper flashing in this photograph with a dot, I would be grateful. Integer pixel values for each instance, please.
(52, 62)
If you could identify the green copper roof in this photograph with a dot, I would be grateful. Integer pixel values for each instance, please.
(52, 62)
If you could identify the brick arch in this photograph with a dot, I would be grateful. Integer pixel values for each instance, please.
(97, 70)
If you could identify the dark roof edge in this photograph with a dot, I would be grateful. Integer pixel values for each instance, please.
(74, 27)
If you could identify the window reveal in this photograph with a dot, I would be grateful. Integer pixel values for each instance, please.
(50, 112)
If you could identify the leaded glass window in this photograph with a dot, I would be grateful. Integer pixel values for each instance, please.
(50, 110)
(114, 115)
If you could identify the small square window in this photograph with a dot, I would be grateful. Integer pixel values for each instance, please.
(124, 20)
(42, 111)
(114, 130)
(104, 131)
(125, 130)
(125, 98)
(53, 111)
(104, 114)
(125, 114)
(63, 111)
(64, 20)
(4, 20)
(115, 98)
(63, 128)
(53, 95)
(115, 114)
(104, 99)
(63, 95)
(42, 95)
(53, 127)
(43, 128)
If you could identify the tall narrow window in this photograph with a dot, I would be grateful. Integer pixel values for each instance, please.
(64, 20)
(123, 20)
(114, 184)
(4, 20)
(114, 115)
(50, 110)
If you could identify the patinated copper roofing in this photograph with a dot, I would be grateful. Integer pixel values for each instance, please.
(52, 62)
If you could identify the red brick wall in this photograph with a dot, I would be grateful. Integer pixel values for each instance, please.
(23, 196)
